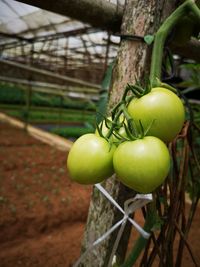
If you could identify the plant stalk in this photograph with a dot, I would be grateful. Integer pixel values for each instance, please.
(162, 34)
(141, 241)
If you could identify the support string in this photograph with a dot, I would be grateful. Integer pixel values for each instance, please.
(130, 206)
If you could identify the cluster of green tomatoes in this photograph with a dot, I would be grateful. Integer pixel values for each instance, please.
(132, 142)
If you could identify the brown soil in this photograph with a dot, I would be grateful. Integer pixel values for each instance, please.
(43, 213)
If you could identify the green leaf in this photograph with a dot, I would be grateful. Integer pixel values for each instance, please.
(102, 104)
(149, 39)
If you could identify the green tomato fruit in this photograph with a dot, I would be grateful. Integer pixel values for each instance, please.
(90, 159)
(161, 108)
(142, 164)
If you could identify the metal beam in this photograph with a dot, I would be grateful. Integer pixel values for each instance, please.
(49, 37)
(104, 15)
(99, 13)
(50, 74)
(51, 86)
(64, 91)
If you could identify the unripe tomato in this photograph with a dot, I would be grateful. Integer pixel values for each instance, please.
(142, 164)
(90, 159)
(163, 108)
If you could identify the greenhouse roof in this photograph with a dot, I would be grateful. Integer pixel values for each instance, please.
(29, 22)
(45, 40)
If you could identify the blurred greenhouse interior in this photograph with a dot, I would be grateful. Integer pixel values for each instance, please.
(52, 66)
(65, 66)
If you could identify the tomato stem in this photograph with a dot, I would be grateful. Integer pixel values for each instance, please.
(136, 89)
(114, 123)
(141, 242)
(133, 131)
(161, 35)
(99, 129)
(169, 87)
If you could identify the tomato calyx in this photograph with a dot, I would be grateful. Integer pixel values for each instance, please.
(114, 123)
(135, 127)
(166, 86)
(111, 129)
(137, 90)
(132, 131)
(111, 125)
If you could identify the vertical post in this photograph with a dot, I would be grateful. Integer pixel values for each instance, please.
(60, 111)
(29, 91)
(133, 61)
(107, 53)
(28, 105)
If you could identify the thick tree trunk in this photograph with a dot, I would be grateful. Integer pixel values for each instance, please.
(140, 18)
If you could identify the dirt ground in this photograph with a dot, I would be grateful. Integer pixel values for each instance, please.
(42, 213)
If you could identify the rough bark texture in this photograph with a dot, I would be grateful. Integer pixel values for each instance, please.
(140, 18)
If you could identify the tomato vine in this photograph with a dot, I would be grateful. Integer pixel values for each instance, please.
(141, 162)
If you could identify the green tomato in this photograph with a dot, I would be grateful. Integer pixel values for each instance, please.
(142, 164)
(161, 108)
(90, 159)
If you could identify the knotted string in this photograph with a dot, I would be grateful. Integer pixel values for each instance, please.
(130, 206)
